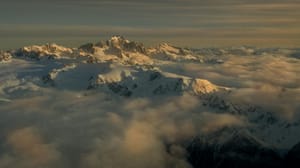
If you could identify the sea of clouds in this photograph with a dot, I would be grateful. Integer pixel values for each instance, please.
(48, 127)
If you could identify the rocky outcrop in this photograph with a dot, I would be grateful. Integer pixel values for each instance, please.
(120, 43)
(89, 48)
(5, 56)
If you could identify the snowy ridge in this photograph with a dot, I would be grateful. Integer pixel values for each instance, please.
(50, 51)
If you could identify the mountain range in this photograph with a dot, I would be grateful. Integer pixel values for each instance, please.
(125, 69)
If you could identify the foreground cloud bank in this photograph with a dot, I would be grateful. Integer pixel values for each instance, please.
(119, 104)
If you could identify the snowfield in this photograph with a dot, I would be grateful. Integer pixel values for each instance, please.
(120, 104)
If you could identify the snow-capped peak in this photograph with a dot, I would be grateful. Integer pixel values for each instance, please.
(117, 42)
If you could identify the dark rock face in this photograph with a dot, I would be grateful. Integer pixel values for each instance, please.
(155, 75)
(295, 55)
(171, 86)
(293, 157)
(135, 47)
(30, 54)
(238, 151)
(89, 47)
(119, 89)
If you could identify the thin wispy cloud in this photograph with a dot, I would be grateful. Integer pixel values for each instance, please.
(203, 19)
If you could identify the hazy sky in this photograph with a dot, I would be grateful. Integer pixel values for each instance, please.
(194, 23)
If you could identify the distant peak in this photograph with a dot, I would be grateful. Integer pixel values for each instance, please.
(164, 44)
(116, 41)
(117, 37)
(121, 43)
